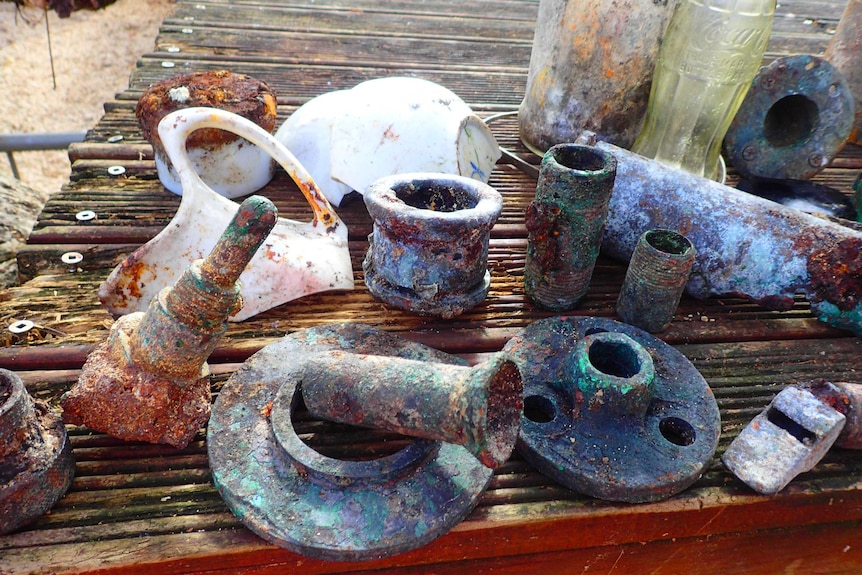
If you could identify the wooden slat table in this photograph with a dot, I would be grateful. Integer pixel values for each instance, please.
(138, 508)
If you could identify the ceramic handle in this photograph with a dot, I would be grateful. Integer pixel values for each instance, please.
(175, 128)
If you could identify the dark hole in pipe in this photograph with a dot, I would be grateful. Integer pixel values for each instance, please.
(668, 242)
(594, 330)
(434, 197)
(579, 158)
(5, 391)
(780, 419)
(677, 431)
(790, 120)
(613, 358)
(539, 409)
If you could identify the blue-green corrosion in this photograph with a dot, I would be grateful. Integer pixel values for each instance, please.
(645, 433)
(321, 507)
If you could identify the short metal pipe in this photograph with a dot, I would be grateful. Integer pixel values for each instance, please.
(655, 279)
(565, 224)
(477, 407)
(428, 252)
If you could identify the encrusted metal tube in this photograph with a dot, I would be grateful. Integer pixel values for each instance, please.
(565, 224)
(149, 380)
(655, 279)
(477, 407)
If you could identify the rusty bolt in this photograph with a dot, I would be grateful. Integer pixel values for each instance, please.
(815, 160)
(749, 152)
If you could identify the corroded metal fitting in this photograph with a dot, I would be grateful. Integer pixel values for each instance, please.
(565, 224)
(292, 495)
(787, 438)
(36, 461)
(846, 399)
(655, 279)
(149, 380)
(794, 120)
(477, 407)
(611, 411)
(428, 252)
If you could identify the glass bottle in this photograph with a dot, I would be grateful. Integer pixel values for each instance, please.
(711, 52)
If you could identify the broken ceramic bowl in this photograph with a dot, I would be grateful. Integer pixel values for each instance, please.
(296, 258)
(349, 138)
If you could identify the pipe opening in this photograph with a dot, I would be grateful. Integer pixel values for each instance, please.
(434, 197)
(581, 158)
(677, 431)
(5, 391)
(790, 120)
(614, 358)
(668, 242)
(505, 397)
(539, 409)
(594, 330)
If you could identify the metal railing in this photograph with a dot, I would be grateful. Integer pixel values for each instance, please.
(11, 143)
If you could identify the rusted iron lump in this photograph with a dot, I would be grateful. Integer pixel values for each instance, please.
(291, 495)
(149, 381)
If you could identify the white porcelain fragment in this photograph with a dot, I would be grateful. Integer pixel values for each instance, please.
(233, 169)
(295, 260)
(351, 138)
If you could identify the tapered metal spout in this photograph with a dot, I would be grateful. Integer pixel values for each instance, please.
(149, 380)
(477, 407)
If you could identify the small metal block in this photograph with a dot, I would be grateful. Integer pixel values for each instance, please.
(787, 438)
(292, 495)
(611, 411)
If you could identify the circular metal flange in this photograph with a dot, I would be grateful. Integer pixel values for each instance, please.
(794, 120)
(611, 411)
(322, 507)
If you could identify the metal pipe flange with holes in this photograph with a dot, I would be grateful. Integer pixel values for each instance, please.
(611, 411)
(294, 496)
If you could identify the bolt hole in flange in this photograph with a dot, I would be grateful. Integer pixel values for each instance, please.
(539, 409)
(611, 411)
(677, 431)
(791, 120)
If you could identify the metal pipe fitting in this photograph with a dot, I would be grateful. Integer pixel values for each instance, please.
(794, 120)
(428, 252)
(348, 510)
(610, 410)
(746, 246)
(149, 380)
(565, 224)
(846, 399)
(655, 279)
(845, 53)
(36, 461)
(477, 407)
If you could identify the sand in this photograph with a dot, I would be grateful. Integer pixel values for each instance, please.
(94, 53)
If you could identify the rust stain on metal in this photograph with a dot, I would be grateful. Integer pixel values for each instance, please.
(836, 273)
(237, 93)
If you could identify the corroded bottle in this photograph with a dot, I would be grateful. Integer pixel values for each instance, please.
(590, 69)
(711, 52)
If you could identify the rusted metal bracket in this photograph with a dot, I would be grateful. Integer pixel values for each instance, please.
(611, 411)
(292, 495)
